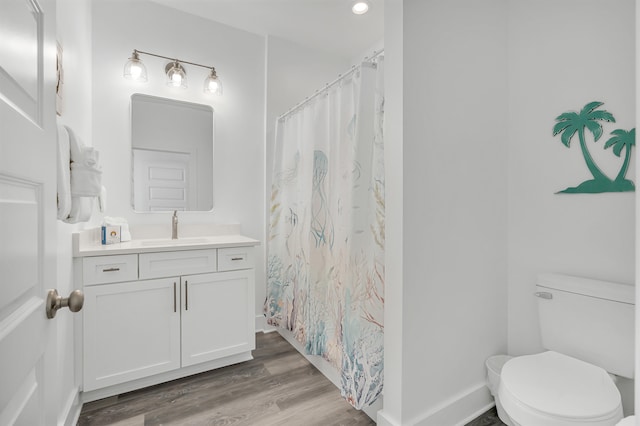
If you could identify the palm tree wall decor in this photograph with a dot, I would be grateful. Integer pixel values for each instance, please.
(626, 140)
(589, 119)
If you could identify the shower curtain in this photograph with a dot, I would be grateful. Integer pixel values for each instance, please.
(326, 242)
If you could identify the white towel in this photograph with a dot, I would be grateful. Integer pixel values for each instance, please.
(79, 177)
(63, 175)
(102, 200)
(85, 181)
(75, 145)
(81, 209)
(86, 176)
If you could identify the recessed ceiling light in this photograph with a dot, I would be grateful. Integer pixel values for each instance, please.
(360, 7)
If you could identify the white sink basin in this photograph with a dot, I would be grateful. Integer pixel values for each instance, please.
(178, 242)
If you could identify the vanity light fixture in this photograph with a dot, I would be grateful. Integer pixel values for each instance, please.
(212, 83)
(360, 7)
(135, 70)
(176, 75)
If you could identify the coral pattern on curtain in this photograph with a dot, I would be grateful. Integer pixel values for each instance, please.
(326, 243)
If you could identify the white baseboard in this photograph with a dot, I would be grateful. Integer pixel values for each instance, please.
(458, 410)
(373, 409)
(261, 325)
(384, 420)
(71, 411)
(478, 413)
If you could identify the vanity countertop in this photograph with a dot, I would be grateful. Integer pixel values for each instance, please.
(83, 247)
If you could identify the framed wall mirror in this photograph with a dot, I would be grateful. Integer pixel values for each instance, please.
(172, 155)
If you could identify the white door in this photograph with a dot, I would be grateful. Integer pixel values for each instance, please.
(161, 180)
(27, 211)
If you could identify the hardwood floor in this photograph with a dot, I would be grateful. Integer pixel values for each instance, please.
(489, 418)
(278, 387)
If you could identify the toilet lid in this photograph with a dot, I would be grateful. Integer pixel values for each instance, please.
(560, 386)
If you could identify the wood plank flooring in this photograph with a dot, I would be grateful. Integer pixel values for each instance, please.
(278, 387)
(490, 418)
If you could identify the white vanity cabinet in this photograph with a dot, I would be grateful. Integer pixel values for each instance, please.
(151, 317)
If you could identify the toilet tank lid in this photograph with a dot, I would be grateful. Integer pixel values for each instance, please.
(607, 290)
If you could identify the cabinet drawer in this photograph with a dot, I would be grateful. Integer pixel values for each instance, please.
(230, 259)
(175, 263)
(109, 269)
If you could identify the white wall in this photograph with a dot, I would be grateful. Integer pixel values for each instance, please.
(239, 58)
(392, 413)
(563, 55)
(294, 72)
(455, 155)
(473, 91)
(74, 35)
(452, 215)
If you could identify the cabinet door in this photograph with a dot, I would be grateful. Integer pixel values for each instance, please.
(131, 330)
(217, 315)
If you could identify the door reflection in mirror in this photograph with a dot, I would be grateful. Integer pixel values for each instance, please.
(172, 154)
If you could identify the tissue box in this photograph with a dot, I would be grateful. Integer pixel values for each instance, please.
(110, 234)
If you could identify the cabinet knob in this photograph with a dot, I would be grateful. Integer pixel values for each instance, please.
(54, 302)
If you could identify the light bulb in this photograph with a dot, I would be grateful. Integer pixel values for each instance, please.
(360, 7)
(136, 71)
(213, 86)
(176, 75)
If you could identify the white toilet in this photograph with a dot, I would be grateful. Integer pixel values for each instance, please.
(587, 327)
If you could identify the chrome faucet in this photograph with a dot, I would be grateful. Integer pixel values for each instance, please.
(174, 225)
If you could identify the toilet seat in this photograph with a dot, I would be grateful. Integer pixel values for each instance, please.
(552, 389)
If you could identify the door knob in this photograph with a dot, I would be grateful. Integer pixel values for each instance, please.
(54, 302)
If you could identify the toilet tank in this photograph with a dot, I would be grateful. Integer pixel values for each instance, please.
(588, 319)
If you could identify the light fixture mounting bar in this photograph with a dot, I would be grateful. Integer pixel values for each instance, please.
(172, 59)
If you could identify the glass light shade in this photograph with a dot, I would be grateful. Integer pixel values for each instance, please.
(212, 83)
(360, 7)
(134, 69)
(176, 75)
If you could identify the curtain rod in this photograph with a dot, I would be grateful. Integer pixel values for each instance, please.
(327, 86)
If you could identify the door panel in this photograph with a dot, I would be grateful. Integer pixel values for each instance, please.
(131, 331)
(217, 315)
(25, 374)
(21, 56)
(161, 180)
(27, 211)
(20, 260)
